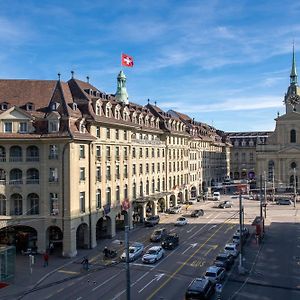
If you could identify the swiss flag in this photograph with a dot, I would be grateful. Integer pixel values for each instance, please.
(127, 61)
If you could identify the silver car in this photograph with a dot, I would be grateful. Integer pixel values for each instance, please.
(215, 274)
(135, 251)
(153, 255)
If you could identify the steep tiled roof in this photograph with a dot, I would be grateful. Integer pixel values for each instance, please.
(17, 92)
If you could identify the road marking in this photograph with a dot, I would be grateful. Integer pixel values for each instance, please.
(189, 247)
(188, 231)
(229, 228)
(142, 265)
(157, 277)
(184, 263)
(109, 279)
(213, 247)
(197, 263)
(122, 292)
(68, 272)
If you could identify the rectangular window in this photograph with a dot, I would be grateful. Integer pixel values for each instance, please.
(125, 171)
(53, 175)
(125, 153)
(82, 202)
(23, 127)
(82, 174)
(108, 133)
(54, 207)
(107, 152)
(53, 152)
(98, 173)
(147, 152)
(134, 169)
(117, 153)
(53, 126)
(153, 167)
(98, 132)
(141, 152)
(117, 134)
(8, 127)
(81, 151)
(152, 152)
(141, 169)
(133, 152)
(125, 135)
(98, 152)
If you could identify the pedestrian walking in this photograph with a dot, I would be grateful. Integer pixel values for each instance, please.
(85, 263)
(51, 248)
(46, 259)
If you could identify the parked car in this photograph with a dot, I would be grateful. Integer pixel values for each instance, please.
(135, 251)
(153, 255)
(215, 274)
(158, 235)
(181, 221)
(151, 221)
(200, 288)
(232, 249)
(225, 204)
(283, 202)
(175, 210)
(196, 213)
(170, 241)
(224, 260)
(245, 232)
(216, 196)
(236, 239)
(192, 201)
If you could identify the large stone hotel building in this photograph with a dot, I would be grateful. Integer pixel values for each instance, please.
(77, 163)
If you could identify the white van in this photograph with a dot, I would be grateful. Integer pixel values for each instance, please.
(216, 196)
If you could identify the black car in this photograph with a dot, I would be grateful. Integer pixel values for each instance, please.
(151, 221)
(158, 235)
(224, 260)
(170, 241)
(200, 288)
(197, 212)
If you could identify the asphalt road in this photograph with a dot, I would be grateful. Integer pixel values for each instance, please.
(200, 241)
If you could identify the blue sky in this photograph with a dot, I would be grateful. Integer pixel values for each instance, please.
(223, 62)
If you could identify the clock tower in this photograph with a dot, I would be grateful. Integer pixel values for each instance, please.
(292, 97)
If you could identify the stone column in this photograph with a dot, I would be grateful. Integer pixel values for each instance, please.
(154, 208)
(69, 240)
(143, 216)
(41, 241)
(93, 231)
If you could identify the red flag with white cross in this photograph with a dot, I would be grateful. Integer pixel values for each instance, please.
(126, 60)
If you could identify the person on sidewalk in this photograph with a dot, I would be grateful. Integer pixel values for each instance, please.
(46, 259)
(85, 263)
(51, 248)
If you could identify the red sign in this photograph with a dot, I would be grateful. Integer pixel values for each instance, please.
(125, 204)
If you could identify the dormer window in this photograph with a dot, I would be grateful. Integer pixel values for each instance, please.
(117, 114)
(23, 127)
(107, 111)
(29, 106)
(8, 127)
(74, 106)
(98, 109)
(4, 106)
(54, 106)
(82, 128)
(53, 125)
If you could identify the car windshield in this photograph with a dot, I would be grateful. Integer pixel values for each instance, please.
(210, 274)
(152, 251)
(221, 258)
(229, 248)
(181, 219)
(158, 232)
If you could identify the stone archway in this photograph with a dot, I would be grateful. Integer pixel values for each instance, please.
(103, 228)
(173, 201)
(54, 236)
(22, 237)
(193, 192)
(180, 197)
(82, 236)
(161, 205)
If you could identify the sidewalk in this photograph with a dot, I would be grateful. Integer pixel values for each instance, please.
(25, 280)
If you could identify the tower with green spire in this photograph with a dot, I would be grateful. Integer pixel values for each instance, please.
(121, 94)
(292, 97)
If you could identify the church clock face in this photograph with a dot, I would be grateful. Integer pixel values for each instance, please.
(294, 100)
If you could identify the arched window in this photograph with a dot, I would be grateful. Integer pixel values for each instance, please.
(2, 176)
(147, 187)
(293, 165)
(293, 136)
(2, 154)
(16, 204)
(32, 153)
(15, 176)
(15, 153)
(32, 176)
(158, 185)
(33, 204)
(141, 188)
(153, 186)
(98, 198)
(2, 205)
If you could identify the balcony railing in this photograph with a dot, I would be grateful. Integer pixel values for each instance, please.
(32, 181)
(16, 181)
(32, 158)
(53, 179)
(2, 182)
(53, 156)
(2, 159)
(15, 158)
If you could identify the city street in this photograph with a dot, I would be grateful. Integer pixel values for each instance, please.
(200, 241)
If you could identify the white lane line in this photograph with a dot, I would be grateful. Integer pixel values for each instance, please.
(142, 265)
(122, 292)
(191, 246)
(188, 231)
(109, 279)
(157, 277)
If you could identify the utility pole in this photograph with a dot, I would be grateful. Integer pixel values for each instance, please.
(241, 271)
(261, 204)
(273, 184)
(295, 188)
(127, 261)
